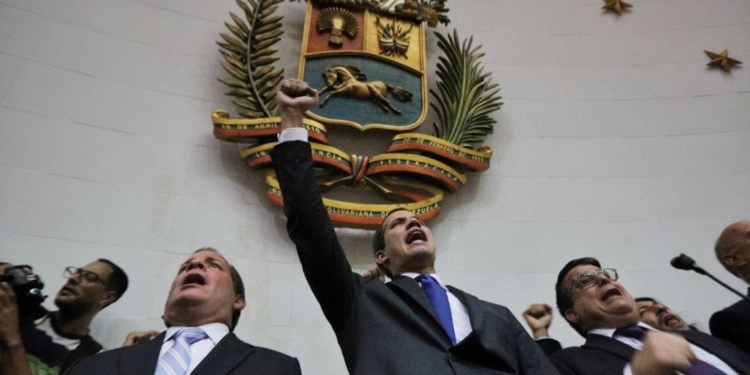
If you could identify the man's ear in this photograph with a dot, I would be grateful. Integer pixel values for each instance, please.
(732, 260)
(572, 316)
(109, 298)
(239, 303)
(381, 257)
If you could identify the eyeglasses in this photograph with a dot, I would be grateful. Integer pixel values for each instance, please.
(89, 276)
(587, 279)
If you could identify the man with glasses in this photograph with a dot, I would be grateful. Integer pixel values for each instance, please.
(48, 343)
(600, 308)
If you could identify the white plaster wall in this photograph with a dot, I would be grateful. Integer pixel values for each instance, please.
(614, 141)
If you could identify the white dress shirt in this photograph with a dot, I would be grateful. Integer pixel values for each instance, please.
(638, 345)
(293, 134)
(200, 349)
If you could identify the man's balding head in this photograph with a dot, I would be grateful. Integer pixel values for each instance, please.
(733, 249)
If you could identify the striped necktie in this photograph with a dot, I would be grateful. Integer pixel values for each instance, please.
(177, 359)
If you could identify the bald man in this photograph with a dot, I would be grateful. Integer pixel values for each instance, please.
(733, 251)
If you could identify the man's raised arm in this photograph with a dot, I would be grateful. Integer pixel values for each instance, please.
(323, 260)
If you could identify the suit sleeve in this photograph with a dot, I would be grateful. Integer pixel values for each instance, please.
(562, 368)
(323, 260)
(295, 370)
(533, 361)
(549, 345)
(731, 327)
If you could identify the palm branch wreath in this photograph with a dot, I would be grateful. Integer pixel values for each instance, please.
(249, 56)
(417, 167)
(466, 96)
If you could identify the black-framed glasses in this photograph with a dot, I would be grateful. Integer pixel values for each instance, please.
(587, 279)
(87, 275)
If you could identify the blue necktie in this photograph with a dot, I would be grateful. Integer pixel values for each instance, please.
(439, 299)
(177, 359)
(697, 368)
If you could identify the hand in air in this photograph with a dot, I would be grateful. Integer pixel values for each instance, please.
(295, 97)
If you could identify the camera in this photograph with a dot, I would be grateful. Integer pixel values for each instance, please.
(28, 288)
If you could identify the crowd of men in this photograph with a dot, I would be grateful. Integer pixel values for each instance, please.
(412, 324)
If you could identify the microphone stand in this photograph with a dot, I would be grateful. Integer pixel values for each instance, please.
(684, 262)
(704, 272)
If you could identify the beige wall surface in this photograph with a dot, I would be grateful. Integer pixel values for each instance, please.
(614, 141)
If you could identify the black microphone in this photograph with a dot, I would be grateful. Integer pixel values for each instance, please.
(684, 262)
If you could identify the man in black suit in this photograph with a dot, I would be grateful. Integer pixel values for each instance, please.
(207, 294)
(601, 309)
(390, 328)
(733, 250)
(538, 317)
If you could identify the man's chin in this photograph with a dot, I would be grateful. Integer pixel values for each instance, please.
(675, 325)
(188, 298)
(421, 250)
(71, 308)
(64, 300)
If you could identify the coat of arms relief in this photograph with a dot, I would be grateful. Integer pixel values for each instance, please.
(367, 58)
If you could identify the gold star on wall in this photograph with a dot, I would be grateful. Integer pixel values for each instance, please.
(722, 60)
(616, 6)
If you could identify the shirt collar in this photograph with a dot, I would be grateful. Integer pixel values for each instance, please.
(215, 331)
(434, 276)
(609, 332)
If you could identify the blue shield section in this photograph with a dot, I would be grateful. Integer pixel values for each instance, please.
(365, 111)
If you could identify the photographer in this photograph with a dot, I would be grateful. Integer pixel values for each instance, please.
(39, 342)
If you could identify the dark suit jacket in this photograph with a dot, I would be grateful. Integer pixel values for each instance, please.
(229, 357)
(549, 345)
(602, 355)
(391, 329)
(733, 324)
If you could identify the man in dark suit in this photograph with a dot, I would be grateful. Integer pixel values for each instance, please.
(202, 309)
(413, 324)
(601, 309)
(733, 251)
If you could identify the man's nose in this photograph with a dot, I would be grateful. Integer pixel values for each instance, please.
(414, 222)
(195, 264)
(603, 279)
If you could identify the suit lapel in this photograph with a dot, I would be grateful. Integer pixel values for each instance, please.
(732, 356)
(476, 315)
(411, 288)
(610, 345)
(142, 359)
(224, 357)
